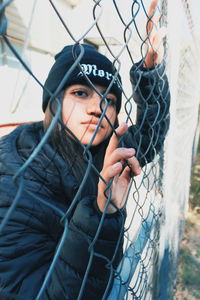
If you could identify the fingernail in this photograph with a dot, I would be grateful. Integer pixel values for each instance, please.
(130, 151)
(117, 166)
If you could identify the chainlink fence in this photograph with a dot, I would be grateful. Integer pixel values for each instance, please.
(158, 197)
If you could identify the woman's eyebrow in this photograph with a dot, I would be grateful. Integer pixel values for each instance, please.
(103, 91)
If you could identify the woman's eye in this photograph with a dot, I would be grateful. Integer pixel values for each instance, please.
(80, 93)
(111, 101)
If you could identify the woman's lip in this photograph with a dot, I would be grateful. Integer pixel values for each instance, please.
(93, 124)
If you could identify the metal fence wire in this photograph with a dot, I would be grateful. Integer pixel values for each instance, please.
(136, 275)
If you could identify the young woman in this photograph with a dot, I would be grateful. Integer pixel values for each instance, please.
(61, 216)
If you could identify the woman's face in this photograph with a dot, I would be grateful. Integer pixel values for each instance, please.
(81, 113)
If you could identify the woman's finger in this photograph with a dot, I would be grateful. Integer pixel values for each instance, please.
(114, 141)
(120, 154)
(126, 174)
(152, 8)
(112, 171)
(134, 165)
(151, 13)
(114, 163)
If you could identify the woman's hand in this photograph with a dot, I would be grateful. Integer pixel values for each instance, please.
(113, 169)
(155, 50)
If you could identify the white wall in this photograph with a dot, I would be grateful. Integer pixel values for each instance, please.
(39, 35)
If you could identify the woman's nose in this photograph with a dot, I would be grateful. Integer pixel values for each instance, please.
(94, 105)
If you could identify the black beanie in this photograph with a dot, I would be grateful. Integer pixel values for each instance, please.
(97, 67)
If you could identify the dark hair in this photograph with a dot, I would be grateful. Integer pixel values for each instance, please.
(71, 151)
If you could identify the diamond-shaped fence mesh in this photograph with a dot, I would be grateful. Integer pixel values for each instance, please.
(56, 240)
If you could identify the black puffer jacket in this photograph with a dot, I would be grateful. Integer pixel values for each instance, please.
(31, 236)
